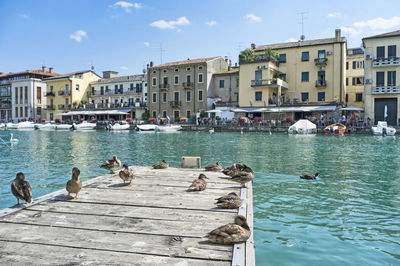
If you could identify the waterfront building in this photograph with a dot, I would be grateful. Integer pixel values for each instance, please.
(23, 94)
(224, 89)
(381, 89)
(355, 77)
(67, 92)
(305, 75)
(180, 89)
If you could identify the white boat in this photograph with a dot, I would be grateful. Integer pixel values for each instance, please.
(62, 126)
(303, 126)
(383, 129)
(2, 125)
(47, 126)
(168, 128)
(84, 126)
(146, 127)
(12, 125)
(118, 126)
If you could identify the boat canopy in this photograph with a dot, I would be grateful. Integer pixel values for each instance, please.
(98, 112)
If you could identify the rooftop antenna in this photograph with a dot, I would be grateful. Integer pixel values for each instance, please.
(161, 53)
(302, 15)
(91, 65)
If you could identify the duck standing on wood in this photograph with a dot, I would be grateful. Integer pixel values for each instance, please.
(112, 164)
(214, 167)
(74, 185)
(243, 177)
(162, 165)
(126, 174)
(231, 233)
(310, 177)
(199, 184)
(229, 201)
(236, 168)
(21, 188)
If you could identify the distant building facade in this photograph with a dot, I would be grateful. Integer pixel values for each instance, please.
(355, 77)
(224, 90)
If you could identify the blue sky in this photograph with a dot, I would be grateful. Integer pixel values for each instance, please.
(123, 36)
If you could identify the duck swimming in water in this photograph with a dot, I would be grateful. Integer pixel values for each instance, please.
(21, 188)
(214, 167)
(74, 185)
(310, 177)
(229, 201)
(161, 165)
(126, 174)
(199, 184)
(231, 233)
(112, 164)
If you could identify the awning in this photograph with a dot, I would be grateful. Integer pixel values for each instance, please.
(290, 109)
(351, 108)
(98, 112)
(237, 110)
(214, 111)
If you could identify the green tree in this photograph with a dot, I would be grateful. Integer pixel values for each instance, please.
(270, 53)
(247, 55)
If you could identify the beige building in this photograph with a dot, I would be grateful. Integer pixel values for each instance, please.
(355, 77)
(382, 90)
(308, 73)
(180, 89)
(224, 90)
(67, 92)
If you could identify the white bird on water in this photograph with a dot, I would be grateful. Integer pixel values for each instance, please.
(12, 140)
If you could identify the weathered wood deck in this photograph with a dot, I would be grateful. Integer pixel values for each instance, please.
(152, 223)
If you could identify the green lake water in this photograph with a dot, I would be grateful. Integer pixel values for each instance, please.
(349, 216)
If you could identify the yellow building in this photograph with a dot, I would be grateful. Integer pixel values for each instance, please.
(381, 89)
(303, 73)
(355, 77)
(67, 92)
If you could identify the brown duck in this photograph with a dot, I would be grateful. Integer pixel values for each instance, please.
(235, 168)
(112, 164)
(231, 233)
(229, 201)
(126, 175)
(21, 189)
(310, 177)
(162, 165)
(243, 177)
(199, 184)
(74, 185)
(214, 167)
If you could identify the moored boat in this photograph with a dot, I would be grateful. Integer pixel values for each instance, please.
(148, 127)
(336, 128)
(383, 129)
(47, 126)
(63, 126)
(119, 126)
(84, 126)
(303, 126)
(168, 128)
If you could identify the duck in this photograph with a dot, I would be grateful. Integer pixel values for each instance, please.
(199, 184)
(236, 168)
(243, 178)
(112, 164)
(310, 177)
(214, 167)
(229, 201)
(126, 175)
(74, 185)
(21, 189)
(161, 165)
(231, 233)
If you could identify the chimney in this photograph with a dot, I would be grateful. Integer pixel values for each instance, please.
(226, 59)
(337, 35)
(43, 69)
(229, 67)
(236, 64)
(50, 70)
(253, 46)
(151, 63)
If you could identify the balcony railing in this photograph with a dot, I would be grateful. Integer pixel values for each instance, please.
(381, 62)
(320, 83)
(163, 86)
(263, 82)
(110, 93)
(60, 93)
(386, 89)
(187, 84)
(50, 107)
(112, 105)
(64, 107)
(50, 94)
(320, 61)
(175, 103)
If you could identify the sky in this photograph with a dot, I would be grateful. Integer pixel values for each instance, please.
(123, 36)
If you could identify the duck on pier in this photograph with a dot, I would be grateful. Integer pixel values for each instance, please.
(214, 167)
(243, 178)
(231, 233)
(161, 165)
(229, 201)
(310, 177)
(126, 175)
(112, 164)
(21, 188)
(236, 168)
(74, 185)
(199, 184)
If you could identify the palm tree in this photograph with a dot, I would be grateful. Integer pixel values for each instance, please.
(247, 55)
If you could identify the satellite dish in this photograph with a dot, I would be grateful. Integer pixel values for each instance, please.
(302, 37)
(144, 71)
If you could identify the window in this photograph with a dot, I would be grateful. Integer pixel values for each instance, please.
(176, 115)
(165, 71)
(347, 81)
(347, 97)
(237, 82)
(164, 97)
(16, 96)
(176, 70)
(154, 81)
(154, 97)
(347, 65)
(107, 90)
(358, 64)
(188, 78)
(121, 88)
(101, 90)
(154, 114)
(304, 76)
(391, 78)
(380, 52)
(380, 78)
(116, 89)
(200, 67)
(77, 87)
(188, 114)
(321, 54)
(321, 76)
(165, 81)
(51, 88)
(66, 89)
(188, 96)
(176, 96)
(188, 69)
(222, 83)
(258, 75)
(131, 87)
(200, 78)
(282, 58)
(358, 81)
(200, 96)
(321, 96)
(282, 76)
(304, 96)
(392, 51)
(164, 114)
(258, 96)
(176, 79)
(16, 111)
(305, 56)
(358, 97)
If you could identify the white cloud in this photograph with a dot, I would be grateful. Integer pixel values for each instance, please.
(147, 44)
(291, 40)
(162, 24)
(127, 5)
(379, 23)
(211, 23)
(253, 18)
(349, 30)
(78, 35)
(124, 68)
(334, 15)
(24, 16)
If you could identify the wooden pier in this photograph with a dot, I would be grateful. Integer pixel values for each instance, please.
(155, 222)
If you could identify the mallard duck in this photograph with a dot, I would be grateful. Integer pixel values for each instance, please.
(231, 233)
(236, 168)
(229, 201)
(74, 185)
(214, 167)
(199, 184)
(162, 165)
(21, 188)
(112, 164)
(309, 176)
(126, 174)
(243, 177)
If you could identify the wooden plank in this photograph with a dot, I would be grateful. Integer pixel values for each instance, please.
(250, 252)
(239, 250)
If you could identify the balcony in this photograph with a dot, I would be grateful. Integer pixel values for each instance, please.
(386, 89)
(175, 103)
(64, 107)
(163, 86)
(382, 62)
(50, 94)
(264, 82)
(321, 61)
(258, 59)
(5, 106)
(320, 83)
(187, 85)
(50, 107)
(60, 93)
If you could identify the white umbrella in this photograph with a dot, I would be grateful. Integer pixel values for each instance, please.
(214, 111)
(351, 108)
(238, 110)
(261, 110)
(385, 113)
